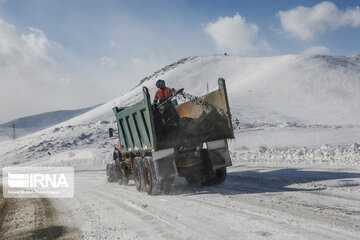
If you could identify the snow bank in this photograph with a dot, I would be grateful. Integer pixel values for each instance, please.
(326, 156)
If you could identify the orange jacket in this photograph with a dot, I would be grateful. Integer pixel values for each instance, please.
(162, 95)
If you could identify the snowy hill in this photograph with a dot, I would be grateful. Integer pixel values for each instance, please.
(282, 102)
(304, 89)
(34, 123)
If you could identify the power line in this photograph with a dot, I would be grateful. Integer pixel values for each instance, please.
(14, 132)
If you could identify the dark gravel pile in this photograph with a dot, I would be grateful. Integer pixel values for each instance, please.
(209, 126)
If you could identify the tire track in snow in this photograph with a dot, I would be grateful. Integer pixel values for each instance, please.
(160, 225)
(237, 208)
(297, 207)
(31, 218)
(205, 223)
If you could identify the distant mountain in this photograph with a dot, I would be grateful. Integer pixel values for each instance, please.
(30, 124)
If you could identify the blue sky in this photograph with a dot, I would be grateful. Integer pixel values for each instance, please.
(100, 49)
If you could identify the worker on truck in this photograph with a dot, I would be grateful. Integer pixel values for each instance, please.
(163, 92)
(165, 113)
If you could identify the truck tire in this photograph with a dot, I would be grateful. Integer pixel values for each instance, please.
(217, 177)
(111, 172)
(122, 178)
(193, 180)
(167, 185)
(152, 185)
(220, 176)
(137, 172)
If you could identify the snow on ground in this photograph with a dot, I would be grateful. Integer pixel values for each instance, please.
(296, 172)
(334, 157)
(253, 203)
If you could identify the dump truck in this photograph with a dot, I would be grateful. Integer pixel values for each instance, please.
(195, 147)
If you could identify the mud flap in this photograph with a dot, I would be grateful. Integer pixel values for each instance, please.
(164, 163)
(219, 154)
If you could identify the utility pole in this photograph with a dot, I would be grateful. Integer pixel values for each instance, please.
(207, 87)
(14, 133)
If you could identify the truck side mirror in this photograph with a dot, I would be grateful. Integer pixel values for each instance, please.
(111, 132)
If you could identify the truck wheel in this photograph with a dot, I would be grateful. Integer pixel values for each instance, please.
(193, 180)
(220, 176)
(152, 185)
(137, 173)
(167, 185)
(111, 173)
(122, 178)
(125, 180)
(217, 177)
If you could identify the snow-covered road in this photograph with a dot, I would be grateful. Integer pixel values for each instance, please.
(267, 203)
